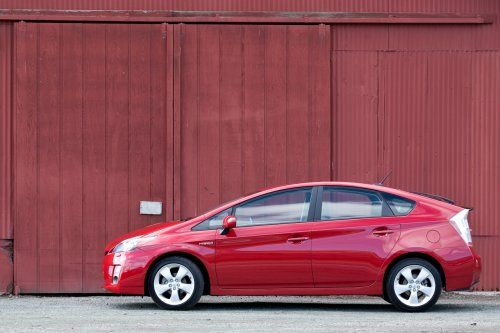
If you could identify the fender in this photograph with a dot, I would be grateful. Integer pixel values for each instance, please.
(207, 259)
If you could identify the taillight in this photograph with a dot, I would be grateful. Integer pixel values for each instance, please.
(461, 225)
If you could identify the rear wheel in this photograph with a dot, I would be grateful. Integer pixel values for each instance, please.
(176, 283)
(413, 285)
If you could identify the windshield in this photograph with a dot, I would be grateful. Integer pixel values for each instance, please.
(219, 206)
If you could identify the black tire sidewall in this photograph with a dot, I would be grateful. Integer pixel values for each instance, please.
(198, 283)
(391, 295)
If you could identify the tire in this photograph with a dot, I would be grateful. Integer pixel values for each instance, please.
(385, 298)
(410, 291)
(171, 292)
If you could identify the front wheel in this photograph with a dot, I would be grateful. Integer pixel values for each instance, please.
(413, 285)
(176, 283)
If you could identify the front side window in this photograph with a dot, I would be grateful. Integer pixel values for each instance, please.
(214, 222)
(341, 204)
(281, 207)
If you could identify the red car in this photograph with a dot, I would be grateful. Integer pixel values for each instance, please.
(323, 238)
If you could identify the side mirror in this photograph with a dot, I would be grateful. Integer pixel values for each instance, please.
(228, 223)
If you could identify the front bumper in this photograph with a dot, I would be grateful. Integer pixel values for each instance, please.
(124, 272)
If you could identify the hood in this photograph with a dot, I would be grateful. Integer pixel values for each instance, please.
(150, 229)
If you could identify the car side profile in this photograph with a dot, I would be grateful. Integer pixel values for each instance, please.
(321, 238)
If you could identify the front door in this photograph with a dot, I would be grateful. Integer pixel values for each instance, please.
(271, 244)
(353, 234)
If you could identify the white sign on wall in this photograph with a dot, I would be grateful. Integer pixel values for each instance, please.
(150, 208)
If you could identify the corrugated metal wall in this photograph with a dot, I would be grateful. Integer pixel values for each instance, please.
(236, 109)
(425, 105)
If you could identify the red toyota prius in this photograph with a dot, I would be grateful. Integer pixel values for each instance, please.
(323, 238)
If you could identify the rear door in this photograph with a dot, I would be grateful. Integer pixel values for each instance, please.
(353, 234)
(271, 245)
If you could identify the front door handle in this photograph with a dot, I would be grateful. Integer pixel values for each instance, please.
(297, 239)
(382, 232)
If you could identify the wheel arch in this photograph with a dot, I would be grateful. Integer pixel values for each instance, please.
(198, 262)
(412, 255)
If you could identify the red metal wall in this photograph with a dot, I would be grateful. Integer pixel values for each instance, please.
(6, 225)
(254, 110)
(423, 101)
(90, 132)
(193, 115)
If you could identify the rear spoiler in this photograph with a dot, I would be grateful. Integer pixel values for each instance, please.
(441, 198)
(436, 197)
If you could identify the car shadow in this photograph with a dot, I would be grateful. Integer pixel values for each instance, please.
(298, 306)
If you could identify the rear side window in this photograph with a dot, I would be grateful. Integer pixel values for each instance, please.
(339, 204)
(399, 206)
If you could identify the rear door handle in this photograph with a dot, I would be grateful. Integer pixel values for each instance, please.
(297, 239)
(382, 232)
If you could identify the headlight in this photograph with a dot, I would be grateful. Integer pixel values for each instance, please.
(132, 243)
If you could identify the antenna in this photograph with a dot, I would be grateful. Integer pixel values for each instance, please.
(381, 183)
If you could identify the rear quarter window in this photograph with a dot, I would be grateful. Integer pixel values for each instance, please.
(400, 206)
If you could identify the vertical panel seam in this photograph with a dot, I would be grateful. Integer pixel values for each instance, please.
(242, 101)
(331, 111)
(129, 222)
(106, 133)
(13, 99)
(197, 119)
(82, 103)
(60, 136)
(265, 105)
(219, 81)
(37, 156)
(151, 160)
(310, 108)
(378, 118)
(287, 65)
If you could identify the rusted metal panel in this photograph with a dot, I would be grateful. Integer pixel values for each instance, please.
(262, 86)
(6, 59)
(84, 134)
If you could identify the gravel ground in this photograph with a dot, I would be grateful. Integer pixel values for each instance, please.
(455, 312)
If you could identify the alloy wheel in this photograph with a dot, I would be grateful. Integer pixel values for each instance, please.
(174, 284)
(414, 285)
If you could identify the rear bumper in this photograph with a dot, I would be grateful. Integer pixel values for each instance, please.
(462, 269)
(477, 269)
